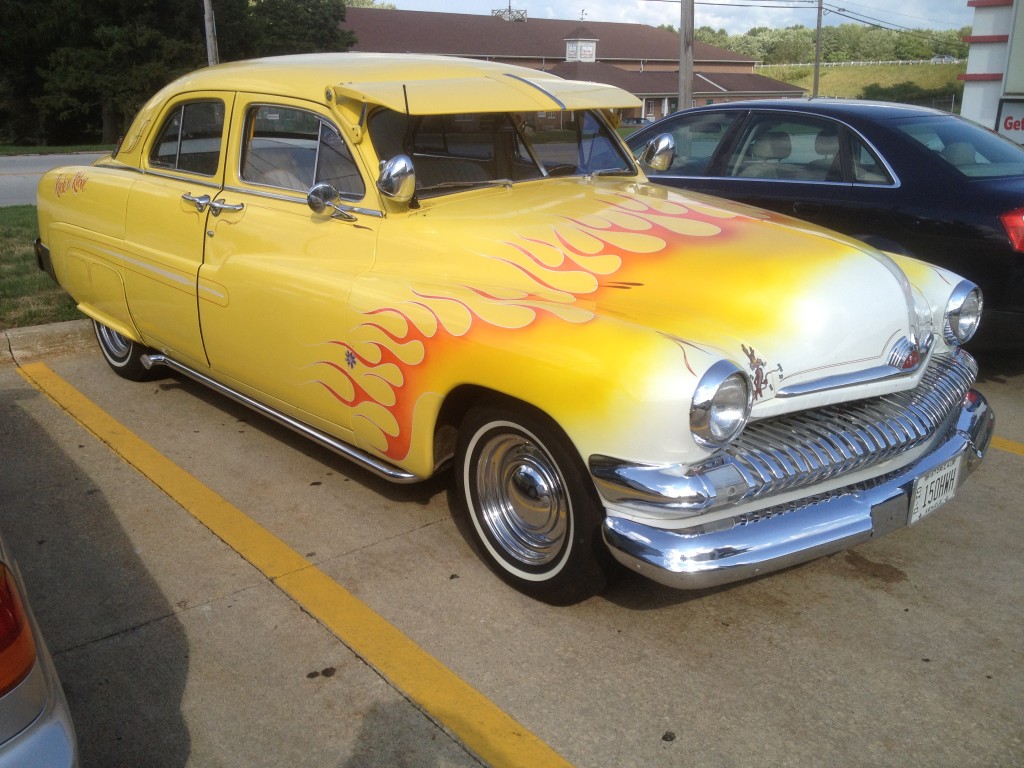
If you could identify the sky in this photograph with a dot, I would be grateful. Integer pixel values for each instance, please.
(735, 16)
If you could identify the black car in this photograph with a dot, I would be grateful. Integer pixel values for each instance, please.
(904, 179)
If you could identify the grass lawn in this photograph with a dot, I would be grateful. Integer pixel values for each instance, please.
(27, 295)
(849, 82)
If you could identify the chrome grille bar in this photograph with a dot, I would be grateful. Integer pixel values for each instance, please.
(797, 450)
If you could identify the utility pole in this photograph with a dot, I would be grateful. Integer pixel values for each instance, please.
(685, 54)
(212, 56)
(817, 53)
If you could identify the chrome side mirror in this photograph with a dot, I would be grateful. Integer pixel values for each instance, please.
(321, 197)
(659, 152)
(398, 179)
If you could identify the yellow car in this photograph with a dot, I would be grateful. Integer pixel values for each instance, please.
(424, 262)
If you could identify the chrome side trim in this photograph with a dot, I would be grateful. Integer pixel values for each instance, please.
(353, 454)
(292, 198)
(755, 543)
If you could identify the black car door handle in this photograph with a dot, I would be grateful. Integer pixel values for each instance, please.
(804, 209)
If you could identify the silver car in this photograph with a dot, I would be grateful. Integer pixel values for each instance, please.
(35, 724)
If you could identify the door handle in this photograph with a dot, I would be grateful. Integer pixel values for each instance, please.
(803, 209)
(217, 206)
(200, 202)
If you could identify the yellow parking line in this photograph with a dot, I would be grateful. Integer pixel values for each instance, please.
(480, 724)
(1011, 446)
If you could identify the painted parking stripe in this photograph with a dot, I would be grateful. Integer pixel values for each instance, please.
(474, 719)
(1011, 446)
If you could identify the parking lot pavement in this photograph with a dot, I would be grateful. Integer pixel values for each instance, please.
(174, 650)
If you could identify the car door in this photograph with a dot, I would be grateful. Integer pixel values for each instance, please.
(166, 213)
(787, 162)
(276, 277)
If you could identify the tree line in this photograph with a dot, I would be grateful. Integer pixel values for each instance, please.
(844, 42)
(76, 72)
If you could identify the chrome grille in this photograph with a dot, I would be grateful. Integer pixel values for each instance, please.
(797, 450)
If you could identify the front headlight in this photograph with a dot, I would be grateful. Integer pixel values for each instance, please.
(963, 313)
(721, 405)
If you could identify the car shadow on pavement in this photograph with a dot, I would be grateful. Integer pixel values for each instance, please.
(121, 652)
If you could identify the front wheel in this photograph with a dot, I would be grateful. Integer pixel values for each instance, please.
(535, 514)
(123, 355)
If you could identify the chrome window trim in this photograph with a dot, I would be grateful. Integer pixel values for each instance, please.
(298, 197)
(897, 183)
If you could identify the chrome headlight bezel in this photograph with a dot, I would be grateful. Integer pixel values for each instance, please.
(721, 405)
(963, 313)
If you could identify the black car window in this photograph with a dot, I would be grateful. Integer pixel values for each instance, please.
(697, 137)
(867, 168)
(791, 147)
(295, 149)
(970, 149)
(190, 138)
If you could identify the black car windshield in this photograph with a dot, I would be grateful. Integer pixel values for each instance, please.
(452, 152)
(972, 150)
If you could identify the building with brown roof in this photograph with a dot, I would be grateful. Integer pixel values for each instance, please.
(641, 59)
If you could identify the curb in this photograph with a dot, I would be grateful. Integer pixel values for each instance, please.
(23, 345)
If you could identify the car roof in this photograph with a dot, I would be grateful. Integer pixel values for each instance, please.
(878, 110)
(419, 84)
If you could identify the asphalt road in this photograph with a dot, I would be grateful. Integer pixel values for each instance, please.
(175, 650)
(19, 174)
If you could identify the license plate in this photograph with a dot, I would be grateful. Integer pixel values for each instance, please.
(934, 489)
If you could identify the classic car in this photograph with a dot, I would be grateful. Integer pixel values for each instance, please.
(909, 179)
(428, 262)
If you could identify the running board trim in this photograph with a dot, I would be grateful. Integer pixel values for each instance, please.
(356, 456)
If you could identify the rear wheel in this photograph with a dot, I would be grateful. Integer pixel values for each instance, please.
(122, 354)
(535, 513)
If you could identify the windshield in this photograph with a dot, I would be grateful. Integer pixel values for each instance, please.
(974, 151)
(452, 152)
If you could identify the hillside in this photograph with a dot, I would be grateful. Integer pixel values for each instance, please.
(935, 84)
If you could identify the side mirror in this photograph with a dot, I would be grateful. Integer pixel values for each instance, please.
(321, 197)
(659, 152)
(398, 179)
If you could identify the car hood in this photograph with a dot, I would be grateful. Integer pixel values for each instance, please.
(783, 299)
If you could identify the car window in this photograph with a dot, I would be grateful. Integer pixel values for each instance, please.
(867, 168)
(450, 152)
(968, 148)
(792, 147)
(294, 149)
(696, 138)
(190, 138)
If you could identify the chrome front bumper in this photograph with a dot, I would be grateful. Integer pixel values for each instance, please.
(752, 543)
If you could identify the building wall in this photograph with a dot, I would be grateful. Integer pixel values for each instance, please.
(988, 63)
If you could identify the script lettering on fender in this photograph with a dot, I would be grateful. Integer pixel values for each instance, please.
(68, 183)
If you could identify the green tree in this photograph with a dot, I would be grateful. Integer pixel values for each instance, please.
(297, 26)
(711, 36)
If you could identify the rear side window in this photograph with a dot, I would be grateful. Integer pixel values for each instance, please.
(294, 149)
(973, 151)
(190, 139)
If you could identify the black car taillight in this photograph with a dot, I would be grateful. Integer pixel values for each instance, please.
(17, 648)
(1013, 223)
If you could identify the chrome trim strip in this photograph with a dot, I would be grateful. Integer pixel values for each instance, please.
(353, 454)
(755, 543)
(899, 355)
(295, 199)
(558, 101)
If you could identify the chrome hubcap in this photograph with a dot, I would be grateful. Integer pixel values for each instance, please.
(115, 344)
(523, 503)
